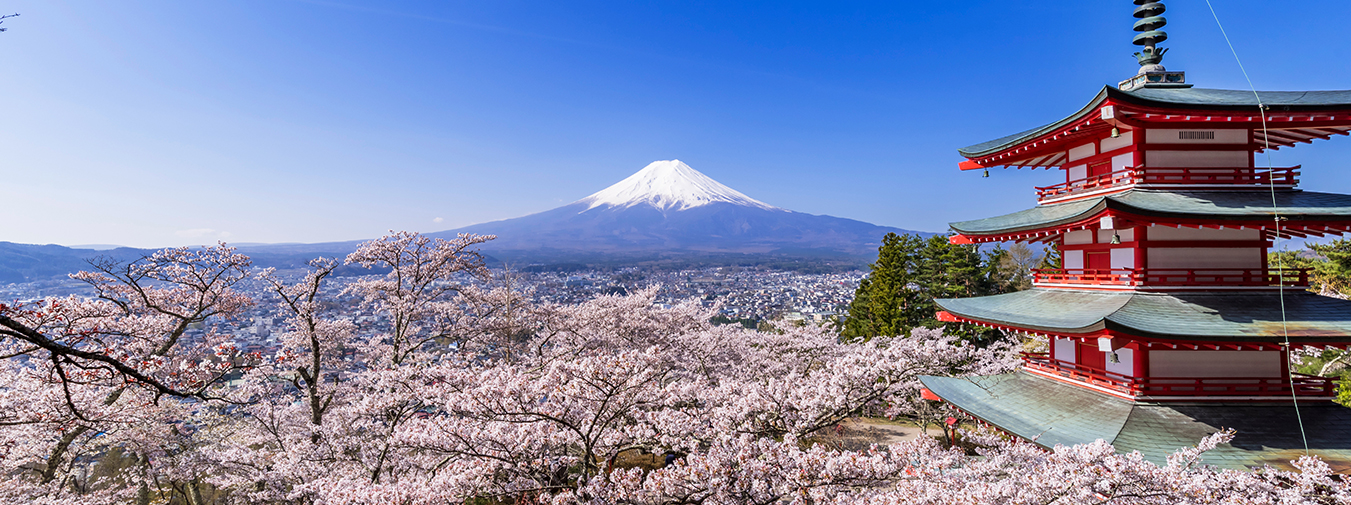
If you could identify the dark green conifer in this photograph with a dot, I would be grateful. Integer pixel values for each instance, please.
(910, 271)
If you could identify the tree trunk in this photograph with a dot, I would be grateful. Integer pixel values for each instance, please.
(143, 492)
(194, 493)
(58, 455)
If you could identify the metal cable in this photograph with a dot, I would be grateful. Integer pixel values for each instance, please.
(1276, 214)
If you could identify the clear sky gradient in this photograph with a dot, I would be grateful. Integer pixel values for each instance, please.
(158, 123)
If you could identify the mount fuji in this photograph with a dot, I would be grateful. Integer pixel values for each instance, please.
(669, 208)
(667, 213)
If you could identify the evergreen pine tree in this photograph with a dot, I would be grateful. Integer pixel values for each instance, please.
(909, 273)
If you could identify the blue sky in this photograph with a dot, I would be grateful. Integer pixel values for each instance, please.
(157, 123)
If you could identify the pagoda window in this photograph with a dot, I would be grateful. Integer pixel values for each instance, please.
(1215, 364)
(1194, 136)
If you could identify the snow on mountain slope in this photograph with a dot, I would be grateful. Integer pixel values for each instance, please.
(669, 185)
(669, 209)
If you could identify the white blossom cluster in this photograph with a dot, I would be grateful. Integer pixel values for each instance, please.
(473, 394)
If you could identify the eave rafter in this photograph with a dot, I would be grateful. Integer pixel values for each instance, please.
(1046, 151)
(1285, 129)
(1289, 137)
(1319, 113)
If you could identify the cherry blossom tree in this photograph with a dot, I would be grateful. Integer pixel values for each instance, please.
(468, 393)
(89, 378)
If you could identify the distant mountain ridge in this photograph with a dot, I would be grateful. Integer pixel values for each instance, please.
(29, 262)
(667, 213)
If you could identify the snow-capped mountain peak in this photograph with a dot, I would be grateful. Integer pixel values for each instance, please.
(669, 185)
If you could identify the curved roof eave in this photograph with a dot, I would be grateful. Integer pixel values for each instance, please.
(1149, 203)
(1234, 99)
(1247, 317)
(1183, 98)
(999, 144)
(1031, 219)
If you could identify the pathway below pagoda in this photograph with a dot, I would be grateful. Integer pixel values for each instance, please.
(859, 433)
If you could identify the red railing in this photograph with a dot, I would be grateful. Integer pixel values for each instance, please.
(1304, 385)
(1125, 177)
(1175, 277)
(1096, 376)
(1288, 176)
(1249, 176)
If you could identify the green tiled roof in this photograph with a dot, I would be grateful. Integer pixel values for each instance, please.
(1240, 316)
(1236, 99)
(1218, 205)
(1185, 98)
(1050, 413)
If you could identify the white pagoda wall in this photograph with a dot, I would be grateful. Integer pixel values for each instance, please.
(1231, 148)
(1064, 349)
(1203, 257)
(1126, 362)
(1125, 140)
(1214, 363)
(1073, 260)
(1197, 159)
(1171, 233)
(1077, 153)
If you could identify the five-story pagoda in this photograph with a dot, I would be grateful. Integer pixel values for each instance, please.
(1166, 322)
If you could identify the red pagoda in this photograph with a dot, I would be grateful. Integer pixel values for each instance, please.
(1166, 322)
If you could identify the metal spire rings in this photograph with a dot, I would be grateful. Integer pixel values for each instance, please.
(1149, 24)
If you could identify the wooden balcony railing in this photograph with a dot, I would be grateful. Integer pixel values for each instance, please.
(1286, 177)
(1175, 277)
(1096, 376)
(1304, 385)
(1129, 176)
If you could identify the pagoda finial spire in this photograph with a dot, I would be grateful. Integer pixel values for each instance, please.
(1149, 21)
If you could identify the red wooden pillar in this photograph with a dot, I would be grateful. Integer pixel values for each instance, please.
(1285, 363)
(1252, 153)
(1138, 144)
(1140, 353)
(1141, 362)
(1141, 246)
